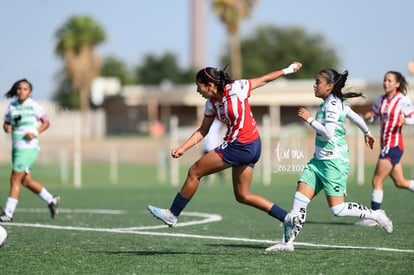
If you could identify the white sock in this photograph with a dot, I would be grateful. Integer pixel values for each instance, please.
(411, 186)
(300, 203)
(377, 195)
(45, 195)
(10, 206)
(353, 209)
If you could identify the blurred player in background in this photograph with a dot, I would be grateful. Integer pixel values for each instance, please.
(328, 169)
(25, 119)
(227, 100)
(394, 109)
(213, 139)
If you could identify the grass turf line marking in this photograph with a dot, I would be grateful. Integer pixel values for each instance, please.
(85, 211)
(204, 237)
(208, 218)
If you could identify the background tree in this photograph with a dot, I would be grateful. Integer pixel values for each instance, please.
(231, 12)
(157, 70)
(270, 47)
(64, 93)
(77, 39)
(113, 67)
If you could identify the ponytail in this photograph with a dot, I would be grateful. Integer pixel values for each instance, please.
(339, 80)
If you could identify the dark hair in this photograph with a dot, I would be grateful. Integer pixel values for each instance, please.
(338, 79)
(400, 78)
(13, 90)
(219, 77)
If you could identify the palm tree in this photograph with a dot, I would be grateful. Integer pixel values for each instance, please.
(76, 41)
(231, 12)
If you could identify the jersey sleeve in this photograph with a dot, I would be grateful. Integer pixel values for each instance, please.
(407, 107)
(357, 120)
(208, 109)
(375, 109)
(39, 112)
(333, 110)
(243, 88)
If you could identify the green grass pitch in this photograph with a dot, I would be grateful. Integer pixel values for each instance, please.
(104, 228)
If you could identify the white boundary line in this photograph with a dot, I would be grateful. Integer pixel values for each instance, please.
(208, 218)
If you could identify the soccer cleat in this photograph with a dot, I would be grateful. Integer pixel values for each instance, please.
(53, 206)
(280, 246)
(367, 222)
(164, 215)
(383, 221)
(289, 224)
(5, 218)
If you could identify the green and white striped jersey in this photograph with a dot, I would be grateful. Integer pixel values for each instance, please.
(331, 143)
(24, 118)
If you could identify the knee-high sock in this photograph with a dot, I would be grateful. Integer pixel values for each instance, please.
(353, 209)
(300, 204)
(179, 203)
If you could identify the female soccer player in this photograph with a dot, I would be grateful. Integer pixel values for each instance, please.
(394, 110)
(328, 169)
(22, 120)
(227, 100)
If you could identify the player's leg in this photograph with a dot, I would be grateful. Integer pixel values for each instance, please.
(38, 189)
(340, 208)
(207, 164)
(16, 179)
(397, 176)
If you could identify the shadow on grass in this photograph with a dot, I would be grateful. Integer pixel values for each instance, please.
(330, 223)
(150, 253)
(252, 246)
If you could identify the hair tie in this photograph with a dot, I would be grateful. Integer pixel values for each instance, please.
(211, 77)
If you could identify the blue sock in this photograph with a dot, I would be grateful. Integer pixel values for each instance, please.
(278, 213)
(178, 204)
(375, 205)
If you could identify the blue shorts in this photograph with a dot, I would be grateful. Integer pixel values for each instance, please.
(392, 154)
(237, 153)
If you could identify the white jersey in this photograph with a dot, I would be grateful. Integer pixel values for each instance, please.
(24, 118)
(332, 111)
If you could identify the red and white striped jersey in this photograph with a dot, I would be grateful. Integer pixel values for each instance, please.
(389, 109)
(233, 109)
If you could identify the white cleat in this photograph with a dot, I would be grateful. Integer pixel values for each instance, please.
(280, 246)
(164, 215)
(383, 221)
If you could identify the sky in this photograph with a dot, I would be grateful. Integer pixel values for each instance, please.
(370, 37)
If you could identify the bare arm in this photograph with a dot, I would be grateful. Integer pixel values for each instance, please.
(264, 79)
(195, 138)
(42, 128)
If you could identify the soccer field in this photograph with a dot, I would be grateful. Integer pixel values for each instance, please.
(104, 228)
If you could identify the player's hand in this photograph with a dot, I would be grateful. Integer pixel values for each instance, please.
(401, 118)
(177, 152)
(370, 140)
(293, 68)
(30, 135)
(368, 116)
(7, 128)
(303, 113)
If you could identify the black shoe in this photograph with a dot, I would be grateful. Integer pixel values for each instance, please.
(53, 206)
